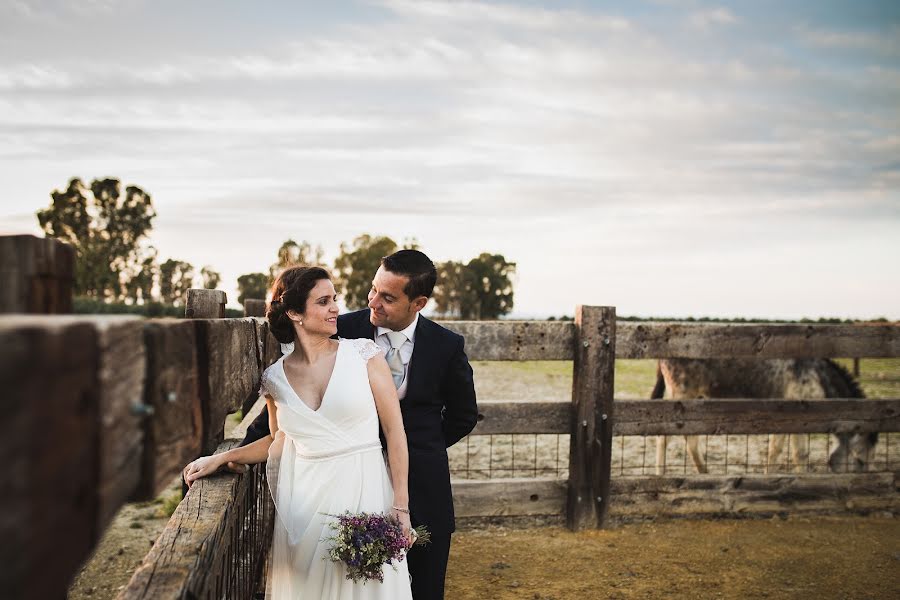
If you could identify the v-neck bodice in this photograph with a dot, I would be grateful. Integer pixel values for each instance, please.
(337, 357)
(346, 416)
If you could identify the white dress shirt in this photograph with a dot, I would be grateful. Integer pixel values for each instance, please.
(406, 349)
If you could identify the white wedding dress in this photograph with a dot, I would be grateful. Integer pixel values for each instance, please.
(324, 462)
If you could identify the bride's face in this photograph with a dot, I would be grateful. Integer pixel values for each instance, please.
(321, 312)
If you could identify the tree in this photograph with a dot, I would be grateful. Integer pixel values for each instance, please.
(453, 294)
(210, 278)
(139, 286)
(292, 253)
(107, 231)
(355, 266)
(252, 285)
(175, 279)
(491, 280)
(481, 289)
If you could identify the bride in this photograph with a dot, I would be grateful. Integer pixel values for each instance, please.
(325, 402)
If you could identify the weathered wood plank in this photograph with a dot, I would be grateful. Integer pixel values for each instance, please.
(516, 340)
(215, 542)
(737, 416)
(684, 496)
(186, 548)
(554, 340)
(591, 427)
(120, 381)
(509, 497)
(36, 275)
(254, 307)
(269, 347)
(50, 441)
(174, 433)
(205, 304)
(703, 416)
(718, 340)
(523, 417)
(708, 495)
(229, 371)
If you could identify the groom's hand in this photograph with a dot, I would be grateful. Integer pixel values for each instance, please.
(237, 467)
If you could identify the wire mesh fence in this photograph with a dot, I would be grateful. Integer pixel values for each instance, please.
(547, 455)
(510, 455)
(749, 454)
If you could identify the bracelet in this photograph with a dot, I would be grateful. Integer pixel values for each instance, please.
(403, 510)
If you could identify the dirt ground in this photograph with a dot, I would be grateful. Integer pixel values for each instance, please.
(797, 557)
(122, 548)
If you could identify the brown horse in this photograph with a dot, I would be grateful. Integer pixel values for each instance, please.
(678, 379)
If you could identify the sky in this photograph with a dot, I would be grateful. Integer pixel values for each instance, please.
(668, 157)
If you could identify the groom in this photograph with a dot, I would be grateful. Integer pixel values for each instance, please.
(437, 399)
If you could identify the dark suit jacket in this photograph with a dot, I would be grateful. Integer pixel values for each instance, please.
(439, 410)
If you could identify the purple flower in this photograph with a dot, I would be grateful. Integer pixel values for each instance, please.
(365, 542)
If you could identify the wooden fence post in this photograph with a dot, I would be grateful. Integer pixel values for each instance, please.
(592, 398)
(254, 307)
(36, 275)
(856, 368)
(205, 304)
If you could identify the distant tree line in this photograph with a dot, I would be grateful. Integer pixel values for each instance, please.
(481, 288)
(118, 270)
(820, 320)
(114, 261)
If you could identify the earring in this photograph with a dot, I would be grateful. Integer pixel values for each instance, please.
(299, 322)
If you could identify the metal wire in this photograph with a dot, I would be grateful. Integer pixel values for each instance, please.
(547, 455)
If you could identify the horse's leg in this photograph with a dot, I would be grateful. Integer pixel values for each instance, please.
(660, 455)
(776, 444)
(692, 442)
(799, 452)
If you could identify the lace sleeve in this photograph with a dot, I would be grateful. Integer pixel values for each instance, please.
(264, 383)
(366, 348)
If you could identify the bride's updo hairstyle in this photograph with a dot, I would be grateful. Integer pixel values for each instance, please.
(290, 292)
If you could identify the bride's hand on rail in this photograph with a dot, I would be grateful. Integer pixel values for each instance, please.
(202, 467)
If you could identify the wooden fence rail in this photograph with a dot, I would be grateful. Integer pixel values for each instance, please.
(707, 495)
(704, 416)
(36, 275)
(556, 340)
(104, 410)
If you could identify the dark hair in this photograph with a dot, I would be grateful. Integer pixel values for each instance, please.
(290, 292)
(417, 267)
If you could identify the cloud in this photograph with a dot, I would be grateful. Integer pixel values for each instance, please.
(509, 15)
(531, 131)
(707, 19)
(882, 43)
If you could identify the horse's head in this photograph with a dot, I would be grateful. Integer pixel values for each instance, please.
(853, 452)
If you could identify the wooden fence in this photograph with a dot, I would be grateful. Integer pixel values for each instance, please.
(102, 410)
(593, 417)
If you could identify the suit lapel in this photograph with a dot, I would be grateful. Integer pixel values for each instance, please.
(356, 325)
(421, 358)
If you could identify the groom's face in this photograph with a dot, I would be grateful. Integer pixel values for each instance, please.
(390, 305)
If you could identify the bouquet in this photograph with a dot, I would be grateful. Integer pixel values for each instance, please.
(365, 542)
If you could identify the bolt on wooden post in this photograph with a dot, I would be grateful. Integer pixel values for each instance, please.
(592, 402)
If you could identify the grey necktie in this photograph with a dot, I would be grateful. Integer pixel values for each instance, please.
(397, 339)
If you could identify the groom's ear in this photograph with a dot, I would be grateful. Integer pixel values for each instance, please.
(419, 303)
